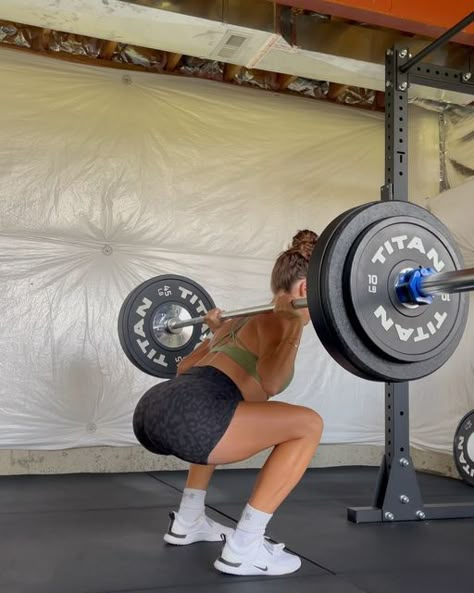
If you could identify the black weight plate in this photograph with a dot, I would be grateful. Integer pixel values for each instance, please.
(317, 300)
(400, 331)
(144, 311)
(463, 448)
(339, 329)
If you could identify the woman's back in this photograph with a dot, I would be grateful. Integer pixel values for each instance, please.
(237, 348)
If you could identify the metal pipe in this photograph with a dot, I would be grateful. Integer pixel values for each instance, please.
(448, 282)
(172, 325)
(467, 20)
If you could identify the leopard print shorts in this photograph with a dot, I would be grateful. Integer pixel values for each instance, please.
(187, 415)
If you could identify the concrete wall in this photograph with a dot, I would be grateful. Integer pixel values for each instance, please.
(137, 459)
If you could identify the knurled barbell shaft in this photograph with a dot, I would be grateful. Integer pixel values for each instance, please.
(444, 282)
(175, 324)
(457, 281)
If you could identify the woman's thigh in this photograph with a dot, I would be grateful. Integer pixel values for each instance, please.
(259, 426)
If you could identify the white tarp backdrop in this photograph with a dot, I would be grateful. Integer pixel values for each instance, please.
(459, 146)
(109, 178)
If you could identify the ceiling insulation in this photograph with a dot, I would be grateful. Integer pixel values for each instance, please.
(236, 41)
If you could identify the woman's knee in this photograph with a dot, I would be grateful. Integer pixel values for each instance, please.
(312, 423)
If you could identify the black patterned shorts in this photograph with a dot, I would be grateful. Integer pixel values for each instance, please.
(187, 415)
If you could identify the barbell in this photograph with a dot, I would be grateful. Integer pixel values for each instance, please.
(385, 292)
(413, 287)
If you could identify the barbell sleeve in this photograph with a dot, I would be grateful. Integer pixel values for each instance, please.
(419, 285)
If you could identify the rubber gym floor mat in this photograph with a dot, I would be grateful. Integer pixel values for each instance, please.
(405, 580)
(235, 485)
(98, 551)
(371, 556)
(82, 492)
(103, 534)
(229, 584)
(60, 534)
(353, 485)
(321, 532)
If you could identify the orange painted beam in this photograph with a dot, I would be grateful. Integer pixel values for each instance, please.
(422, 17)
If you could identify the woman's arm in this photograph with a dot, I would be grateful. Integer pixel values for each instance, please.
(279, 337)
(213, 321)
(196, 355)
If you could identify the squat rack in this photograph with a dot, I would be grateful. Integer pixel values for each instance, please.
(397, 493)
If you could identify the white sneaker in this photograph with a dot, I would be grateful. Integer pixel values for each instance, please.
(261, 558)
(203, 530)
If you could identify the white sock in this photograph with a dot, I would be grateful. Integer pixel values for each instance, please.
(192, 505)
(251, 526)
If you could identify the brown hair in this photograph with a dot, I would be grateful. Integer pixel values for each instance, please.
(292, 264)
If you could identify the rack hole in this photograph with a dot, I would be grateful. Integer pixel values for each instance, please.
(402, 413)
(402, 449)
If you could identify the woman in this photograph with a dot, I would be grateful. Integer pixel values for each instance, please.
(216, 412)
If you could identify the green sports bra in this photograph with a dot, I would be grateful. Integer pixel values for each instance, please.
(235, 349)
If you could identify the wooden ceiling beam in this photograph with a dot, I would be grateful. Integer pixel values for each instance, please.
(108, 49)
(336, 90)
(283, 81)
(162, 61)
(172, 61)
(380, 100)
(44, 39)
(231, 71)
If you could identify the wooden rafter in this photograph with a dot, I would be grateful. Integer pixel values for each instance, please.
(231, 71)
(154, 60)
(172, 61)
(108, 50)
(380, 100)
(336, 90)
(283, 81)
(42, 39)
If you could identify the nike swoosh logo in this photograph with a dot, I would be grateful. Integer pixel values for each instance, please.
(263, 569)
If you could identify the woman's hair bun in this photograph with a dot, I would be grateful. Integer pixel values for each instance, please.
(292, 264)
(304, 236)
(304, 242)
